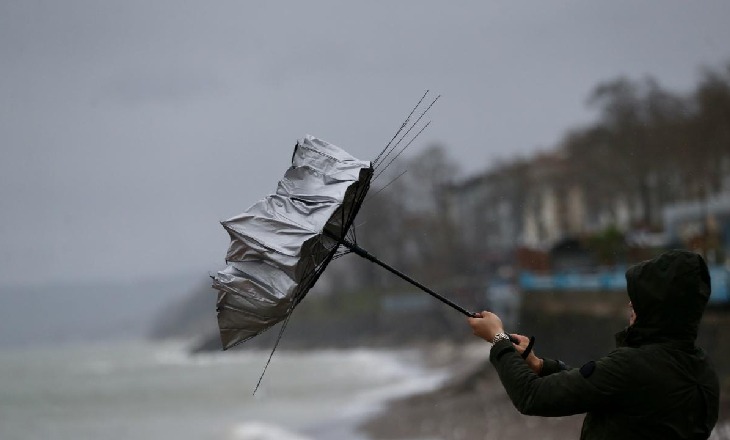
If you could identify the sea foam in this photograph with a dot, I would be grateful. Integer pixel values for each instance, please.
(262, 431)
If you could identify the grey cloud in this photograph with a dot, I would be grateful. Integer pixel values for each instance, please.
(132, 127)
(160, 87)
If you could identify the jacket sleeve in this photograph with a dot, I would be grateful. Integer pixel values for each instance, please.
(552, 366)
(597, 385)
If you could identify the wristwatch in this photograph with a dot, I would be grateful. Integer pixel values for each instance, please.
(500, 336)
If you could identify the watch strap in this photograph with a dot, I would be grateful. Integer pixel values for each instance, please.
(500, 337)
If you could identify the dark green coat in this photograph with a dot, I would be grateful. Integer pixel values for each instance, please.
(655, 385)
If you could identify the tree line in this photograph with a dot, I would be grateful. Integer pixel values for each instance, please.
(648, 146)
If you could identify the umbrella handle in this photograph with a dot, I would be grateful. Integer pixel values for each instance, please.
(365, 254)
(368, 256)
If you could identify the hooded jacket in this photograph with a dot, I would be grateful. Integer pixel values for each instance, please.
(655, 385)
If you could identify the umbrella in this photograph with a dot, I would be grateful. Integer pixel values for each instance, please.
(282, 244)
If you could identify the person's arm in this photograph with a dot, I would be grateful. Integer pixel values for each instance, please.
(540, 366)
(552, 366)
(599, 384)
(596, 385)
(486, 325)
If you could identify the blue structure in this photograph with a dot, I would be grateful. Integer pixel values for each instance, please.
(614, 281)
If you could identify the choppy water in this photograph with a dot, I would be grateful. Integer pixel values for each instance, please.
(157, 391)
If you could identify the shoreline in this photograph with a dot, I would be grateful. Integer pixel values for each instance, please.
(446, 391)
(431, 365)
(471, 403)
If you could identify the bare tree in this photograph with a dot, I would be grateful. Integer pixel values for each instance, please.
(711, 127)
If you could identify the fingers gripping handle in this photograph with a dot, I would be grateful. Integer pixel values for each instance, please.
(528, 350)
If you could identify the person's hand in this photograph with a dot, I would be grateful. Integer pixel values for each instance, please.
(534, 362)
(486, 325)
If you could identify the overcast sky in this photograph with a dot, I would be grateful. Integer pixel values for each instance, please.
(128, 129)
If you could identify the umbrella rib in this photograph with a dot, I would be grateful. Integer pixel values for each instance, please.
(402, 150)
(276, 344)
(341, 254)
(361, 196)
(353, 233)
(343, 220)
(403, 125)
(409, 129)
(372, 196)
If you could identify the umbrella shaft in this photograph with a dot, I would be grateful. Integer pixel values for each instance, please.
(365, 254)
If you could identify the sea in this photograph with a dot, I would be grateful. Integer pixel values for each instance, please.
(158, 390)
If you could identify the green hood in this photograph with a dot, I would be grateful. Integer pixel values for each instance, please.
(669, 294)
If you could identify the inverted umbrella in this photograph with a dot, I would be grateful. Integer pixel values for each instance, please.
(282, 244)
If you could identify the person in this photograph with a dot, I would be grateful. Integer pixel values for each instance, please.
(657, 384)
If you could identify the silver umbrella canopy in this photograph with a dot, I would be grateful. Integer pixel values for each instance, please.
(282, 244)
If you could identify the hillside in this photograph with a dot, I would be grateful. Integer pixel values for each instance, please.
(342, 320)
